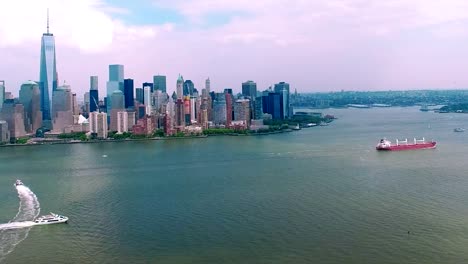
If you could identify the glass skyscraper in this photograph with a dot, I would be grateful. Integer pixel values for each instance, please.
(48, 74)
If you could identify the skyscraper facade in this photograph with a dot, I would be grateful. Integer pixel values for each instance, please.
(13, 113)
(249, 89)
(283, 89)
(48, 79)
(116, 73)
(147, 98)
(93, 83)
(2, 93)
(4, 132)
(93, 100)
(128, 93)
(159, 82)
(179, 88)
(30, 98)
(116, 82)
(98, 124)
(219, 109)
(139, 95)
(189, 87)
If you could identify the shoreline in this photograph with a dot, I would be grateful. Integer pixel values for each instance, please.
(143, 139)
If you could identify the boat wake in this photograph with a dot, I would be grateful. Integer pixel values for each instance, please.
(15, 231)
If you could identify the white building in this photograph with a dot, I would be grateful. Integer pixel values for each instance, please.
(147, 98)
(122, 122)
(98, 124)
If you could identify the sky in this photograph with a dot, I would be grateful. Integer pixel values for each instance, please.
(315, 45)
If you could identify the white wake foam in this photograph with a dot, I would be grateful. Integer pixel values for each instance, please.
(15, 231)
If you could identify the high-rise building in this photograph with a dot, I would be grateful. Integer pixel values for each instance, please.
(94, 83)
(93, 101)
(272, 104)
(258, 108)
(62, 108)
(116, 82)
(48, 79)
(159, 82)
(30, 98)
(116, 73)
(150, 85)
(122, 122)
(148, 99)
(229, 108)
(283, 89)
(179, 115)
(2, 93)
(118, 100)
(242, 110)
(75, 106)
(219, 109)
(86, 104)
(180, 84)
(13, 113)
(249, 89)
(128, 93)
(208, 85)
(139, 95)
(4, 132)
(98, 124)
(189, 87)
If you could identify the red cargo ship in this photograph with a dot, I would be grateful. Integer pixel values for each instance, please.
(385, 144)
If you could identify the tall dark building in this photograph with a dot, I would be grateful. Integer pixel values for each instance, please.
(273, 104)
(189, 87)
(139, 95)
(93, 100)
(128, 93)
(249, 89)
(151, 85)
(283, 89)
(159, 83)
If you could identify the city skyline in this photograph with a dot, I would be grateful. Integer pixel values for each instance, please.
(320, 46)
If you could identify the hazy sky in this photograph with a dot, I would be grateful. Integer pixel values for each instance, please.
(314, 45)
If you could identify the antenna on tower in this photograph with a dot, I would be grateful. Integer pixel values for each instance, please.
(47, 20)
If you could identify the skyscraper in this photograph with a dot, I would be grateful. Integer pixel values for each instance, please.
(48, 74)
(93, 94)
(116, 79)
(249, 89)
(180, 83)
(30, 97)
(2, 93)
(159, 82)
(116, 73)
(128, 93)
(147, 98)
(189, 87)
(139, 95)
(283, 89)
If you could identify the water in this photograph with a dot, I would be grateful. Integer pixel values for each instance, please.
(319, 195)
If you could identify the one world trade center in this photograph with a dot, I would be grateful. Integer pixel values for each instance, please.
(48, 74)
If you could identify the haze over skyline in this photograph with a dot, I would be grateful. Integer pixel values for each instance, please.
(313, 45)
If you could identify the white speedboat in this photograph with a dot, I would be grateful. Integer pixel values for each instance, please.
(18, 182)
(51, 219)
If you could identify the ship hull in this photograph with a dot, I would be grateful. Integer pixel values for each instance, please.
(429, 145)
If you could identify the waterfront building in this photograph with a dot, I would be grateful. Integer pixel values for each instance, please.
(272, 104)
(219, 109)
(187, 110)
(2, 93)
(179, 87)
(242, 110)
(62, 108)
(131, 119)
(204, 114)
(48, 78)
(249, 89)
(283, 89)
(144, 126)
(75, 106)
(159, 99)
(147, 98)
(98, 124)
(139, 95)
(170, 112)
(258, 108)
(128, 93)
(122, 122)
(193, 109)
(159, 82)
(4, 132)
(179, 115)
(13, 113)
(229, 107)
(30, 98)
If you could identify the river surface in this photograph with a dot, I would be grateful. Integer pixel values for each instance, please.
(319, 195)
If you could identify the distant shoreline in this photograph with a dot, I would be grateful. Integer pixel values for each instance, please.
(144, 139)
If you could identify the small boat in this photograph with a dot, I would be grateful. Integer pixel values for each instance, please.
(51, 219)
(296, 127)
(311, 125)
(459, 129)
(18, 182)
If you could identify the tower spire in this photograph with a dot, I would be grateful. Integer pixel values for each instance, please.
(47, 20)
